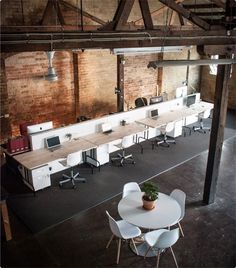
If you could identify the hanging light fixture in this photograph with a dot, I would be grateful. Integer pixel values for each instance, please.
(51, 76)
(166, 63)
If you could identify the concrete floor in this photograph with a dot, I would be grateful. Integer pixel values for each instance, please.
(210, 237)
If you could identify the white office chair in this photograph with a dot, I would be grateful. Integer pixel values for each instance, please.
(122, 230)
(130, 187)
(180, 197)
(125, 143)
(72, 160)
(161, 239)
(201, 128)
(164, 131)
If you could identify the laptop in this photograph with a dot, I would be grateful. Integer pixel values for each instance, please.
(53, 143)
(106, 128)
(154, 114)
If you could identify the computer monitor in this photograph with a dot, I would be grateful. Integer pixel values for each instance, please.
(191, 99)
(106, 128)
(154, 113)
(156, 99)
(31, 129)
(53, 142)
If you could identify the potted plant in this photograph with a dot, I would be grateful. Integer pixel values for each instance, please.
(150, 195)
(68, 136)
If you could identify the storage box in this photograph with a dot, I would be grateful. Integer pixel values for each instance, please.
(18, 144)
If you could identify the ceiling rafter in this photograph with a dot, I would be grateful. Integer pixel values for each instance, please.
(147, 18)
(186, 14)
(122, 14)
(52, 7)
(86, 14)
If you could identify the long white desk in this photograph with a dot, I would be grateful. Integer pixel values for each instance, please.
(176, 115)
(36, 166)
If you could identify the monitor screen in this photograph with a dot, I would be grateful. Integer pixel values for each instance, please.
(39, 127)
(53, 142)
(154, 113)
(156, 99)
(191, 99)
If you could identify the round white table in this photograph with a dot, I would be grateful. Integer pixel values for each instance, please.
(165, 214)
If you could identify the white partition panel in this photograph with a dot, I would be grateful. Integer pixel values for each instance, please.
(94, 125)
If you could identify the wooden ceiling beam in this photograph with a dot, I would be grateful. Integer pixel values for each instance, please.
(213, 13)
(200, 6)
(147, 18)
(186, 14)
(122, 14)
(52, 8)
(86, 14)
(62, 41)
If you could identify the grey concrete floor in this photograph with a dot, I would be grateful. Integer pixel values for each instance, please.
(210, 231)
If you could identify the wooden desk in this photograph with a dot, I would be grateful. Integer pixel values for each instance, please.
(117, 133)
(37, 158)
(176, 115)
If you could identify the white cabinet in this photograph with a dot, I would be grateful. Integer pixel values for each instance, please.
(39, 178)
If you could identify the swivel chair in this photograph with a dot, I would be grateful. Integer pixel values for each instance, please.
(201, 128)
(139, 102)
(164, 130)
(162, 239)
(122, 230)
(123, 158)
(72, 160)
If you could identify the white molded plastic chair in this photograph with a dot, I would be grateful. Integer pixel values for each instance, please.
(161, 239)
(126, 142)
(72, 160)
(180, 197)
(164, 131)
(130, 187)
(122, 230)
(201, 128)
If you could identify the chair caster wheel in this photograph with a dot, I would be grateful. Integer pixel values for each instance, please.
(60, 185)
(133, 163)
(74, 187)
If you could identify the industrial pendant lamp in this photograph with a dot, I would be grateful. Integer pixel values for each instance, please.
(51, 76)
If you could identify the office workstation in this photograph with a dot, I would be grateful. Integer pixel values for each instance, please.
(98, 95)
(89, 139)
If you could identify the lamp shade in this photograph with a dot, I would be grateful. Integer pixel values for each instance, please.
(51, 76)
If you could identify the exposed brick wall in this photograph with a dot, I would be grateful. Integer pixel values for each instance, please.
(139, 81)
(31, 97)
(97, 82)
(208, 83)
(5, 121)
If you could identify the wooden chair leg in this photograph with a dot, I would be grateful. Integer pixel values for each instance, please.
(158, 258)
(118, 252)
(147, 252)
(134, 246)
(174, 257)
(109, 242)
(181, 230)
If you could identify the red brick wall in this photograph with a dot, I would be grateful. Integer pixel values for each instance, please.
(97, 82)
(5, 120)
(208, 82)
(31, 97)
(139, 80)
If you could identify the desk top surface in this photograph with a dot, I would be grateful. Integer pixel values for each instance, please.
(40, 157)
(117, 133)
(175, 115)
(166, 212)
